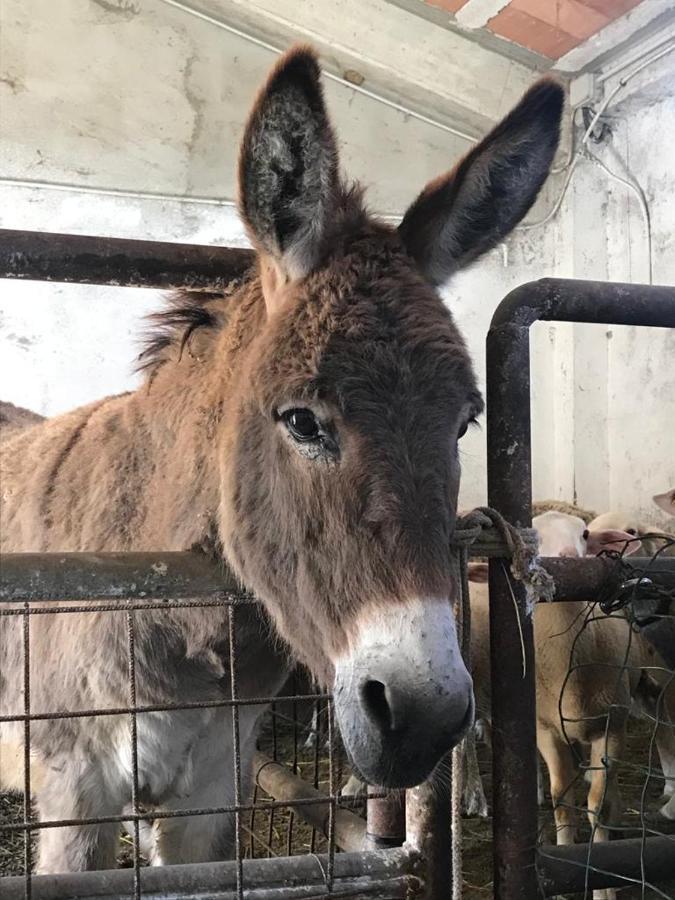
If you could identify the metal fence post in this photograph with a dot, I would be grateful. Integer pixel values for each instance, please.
(511, 636)
(509, 491)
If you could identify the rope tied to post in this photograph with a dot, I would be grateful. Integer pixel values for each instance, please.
(522, 546)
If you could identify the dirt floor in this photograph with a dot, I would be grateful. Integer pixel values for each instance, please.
(281, 832)
(634, 780)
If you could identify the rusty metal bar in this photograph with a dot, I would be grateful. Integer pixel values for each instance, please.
(584, 578)
(111, 576)
(574, 868)
(280, 783)
(385, 820)
(514, 779)
(388, 875)
(161, 576)
(84, 259)
(510, 492)
(592, 302)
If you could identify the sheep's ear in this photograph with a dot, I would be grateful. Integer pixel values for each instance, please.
(612, 539)
(288, 169)
(666, 501)
(463, 214)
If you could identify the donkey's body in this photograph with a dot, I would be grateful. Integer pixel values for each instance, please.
(100, 479)
(306, 428)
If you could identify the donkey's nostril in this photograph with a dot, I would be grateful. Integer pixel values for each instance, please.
(376, 703)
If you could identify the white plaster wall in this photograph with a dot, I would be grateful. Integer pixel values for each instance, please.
(641, 362)
(624, 377)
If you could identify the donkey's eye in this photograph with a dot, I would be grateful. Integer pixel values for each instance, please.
(302, 424)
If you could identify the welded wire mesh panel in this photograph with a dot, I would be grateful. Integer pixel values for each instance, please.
(297, 732)
(613, 774)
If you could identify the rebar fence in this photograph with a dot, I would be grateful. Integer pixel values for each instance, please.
(617, 719)
(266, 826)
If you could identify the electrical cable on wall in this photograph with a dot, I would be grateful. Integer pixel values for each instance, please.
(583, 151)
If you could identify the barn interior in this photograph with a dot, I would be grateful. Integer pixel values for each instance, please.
(122, 119)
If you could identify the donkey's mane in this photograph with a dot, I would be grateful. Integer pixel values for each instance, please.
(184, 313)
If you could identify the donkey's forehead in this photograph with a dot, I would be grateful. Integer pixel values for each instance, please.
(368, 318)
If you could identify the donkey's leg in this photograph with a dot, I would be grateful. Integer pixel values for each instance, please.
(77, 789)
(353, 787)
(562, 775)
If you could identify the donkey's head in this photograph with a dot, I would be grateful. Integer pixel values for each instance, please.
(341, 464)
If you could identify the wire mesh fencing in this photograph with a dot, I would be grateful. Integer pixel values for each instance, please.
(285, 806)
(264, 826)
(613, 775)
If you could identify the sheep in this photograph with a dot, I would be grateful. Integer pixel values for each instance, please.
(653, 539)
(565, 633)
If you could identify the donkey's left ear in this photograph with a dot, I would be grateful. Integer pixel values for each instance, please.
(461, 215)
(288, 167)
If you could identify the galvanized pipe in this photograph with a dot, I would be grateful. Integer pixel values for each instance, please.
(509, 491)
(387, 875)
(84, 259)
(281, 784)
(429, 834)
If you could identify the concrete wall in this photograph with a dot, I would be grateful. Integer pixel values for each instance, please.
(621, 446)
(142, 122)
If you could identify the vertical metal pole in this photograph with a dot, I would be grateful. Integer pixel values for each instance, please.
(511, 637)
(428, 832)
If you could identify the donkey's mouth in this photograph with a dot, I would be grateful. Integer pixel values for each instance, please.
(403, 697)
(401, 759)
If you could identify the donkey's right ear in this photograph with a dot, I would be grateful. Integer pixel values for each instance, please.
(288, 171)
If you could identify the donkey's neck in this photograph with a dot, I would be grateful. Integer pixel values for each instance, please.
(182, 408)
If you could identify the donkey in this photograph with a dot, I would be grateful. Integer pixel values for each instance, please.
(310, 436)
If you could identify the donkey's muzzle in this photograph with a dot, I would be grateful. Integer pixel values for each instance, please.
(403, 697)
